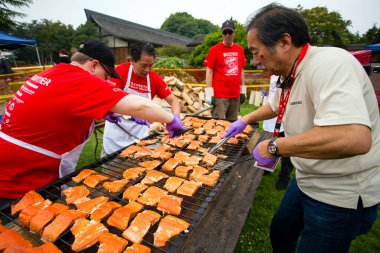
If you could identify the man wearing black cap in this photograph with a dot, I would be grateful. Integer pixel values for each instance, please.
(225, 88)
(50, 118)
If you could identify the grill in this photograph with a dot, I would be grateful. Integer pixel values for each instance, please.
(113, 166)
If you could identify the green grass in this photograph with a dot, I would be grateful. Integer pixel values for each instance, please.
(254, 236)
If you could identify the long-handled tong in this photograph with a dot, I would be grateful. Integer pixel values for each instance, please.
(134, 138)
(219, 144)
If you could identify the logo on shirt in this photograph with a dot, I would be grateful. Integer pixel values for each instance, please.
(296, 103)
(231, 63)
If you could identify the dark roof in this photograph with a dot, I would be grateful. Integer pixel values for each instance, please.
(199, 39)
(130, 31)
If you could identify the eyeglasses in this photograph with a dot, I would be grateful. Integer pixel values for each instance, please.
(225, 32)
(108, 76)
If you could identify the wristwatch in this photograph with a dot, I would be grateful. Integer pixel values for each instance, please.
(272, 147)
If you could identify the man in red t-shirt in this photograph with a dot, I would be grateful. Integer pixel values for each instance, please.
(225, 88)
(49, 119)
(138, 78)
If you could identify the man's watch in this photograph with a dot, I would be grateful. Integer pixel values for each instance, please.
(272, 147)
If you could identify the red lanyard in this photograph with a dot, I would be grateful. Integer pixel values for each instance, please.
(284, 100)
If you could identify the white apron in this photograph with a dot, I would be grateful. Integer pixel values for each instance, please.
(69, 159)
(113, 137)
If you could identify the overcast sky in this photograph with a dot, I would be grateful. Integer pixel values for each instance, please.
(363, 13)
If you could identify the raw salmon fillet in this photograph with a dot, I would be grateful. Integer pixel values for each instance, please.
(133, 173)
(137, 248)
(129, 151)
(134, 191)
(44, 216)
(153, 176)
(91, 205)
(111, 243)
(74, 193)
(209, 179)
(209, 159)
(60, 224)
(170, 204)
(86, 233)
(188, 188)
(93, 180)
(183, 171)
(9, 237)
(82, 175)
(171, 164)
(140, 226)
(150, 165)
(192, 160)
(151, 196)
(104, 210)
(121, 216)
(197, 172)
(29, 199)
(115, 186)
(169, 227)
(173, 183)
(27, 213)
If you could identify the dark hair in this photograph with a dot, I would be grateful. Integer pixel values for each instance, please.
(273, 20)
(142, 48)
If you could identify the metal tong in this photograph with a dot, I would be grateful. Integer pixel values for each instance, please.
(219, 144)
(134, 138)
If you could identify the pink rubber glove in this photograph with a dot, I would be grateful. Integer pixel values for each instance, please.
(174, 126)
(113, 118)
(269, 162)
(235, 128)
(141, 121)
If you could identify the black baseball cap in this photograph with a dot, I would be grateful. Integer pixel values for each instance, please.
(228, 25)
(101, 52)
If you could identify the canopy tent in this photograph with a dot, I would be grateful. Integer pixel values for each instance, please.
(8, 41)
(374, 47)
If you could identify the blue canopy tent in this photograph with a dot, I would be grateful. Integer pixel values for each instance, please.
(8, 41)
(374, 47)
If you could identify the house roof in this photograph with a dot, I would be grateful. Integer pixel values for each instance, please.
(133, 32)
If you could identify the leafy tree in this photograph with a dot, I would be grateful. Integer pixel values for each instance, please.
(169, 63)
(174, 51)
(372, 36)
(85, 32)
(7, 23)
(184, 24)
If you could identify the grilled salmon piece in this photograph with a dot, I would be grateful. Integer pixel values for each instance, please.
(86, 233)
(9, 237)
(140, 226)
(44, 216)
(27, 213)
(150, 165)
(153, 176)
(82, 175)
(151, 196)
(134, 191)
(242, 136)
(188, 188)
(147, 142)
(104, 210)
(197, 172)
(209, 179)
(30, 198)
(137, 248)
(198, 131)
(233, 140)
(203, 138)
(197, 124)
(248, 129)
(133, 173)
(183, 171)
(93, 180)
(170, 204)
(215, 139)
(121, 216)
(74, 193)
(211, 131)
(161, 154)
(45, 248)
(209, 159)
(171, 164)
(111, 243)
(91, 205)
(194, 145)
(192, 160)
(169, 227)
(60, 224)
(181, 155)
(115, 186)
(142, 152)
(129, 151)
(173, 183)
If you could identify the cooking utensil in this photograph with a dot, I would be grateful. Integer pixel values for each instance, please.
(219, 144)
(180, 132)
(134, 138)
(203, 110)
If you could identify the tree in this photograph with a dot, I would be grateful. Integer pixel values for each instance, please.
(184, 24)
(372, 36)
(7, 15)
(85, 32)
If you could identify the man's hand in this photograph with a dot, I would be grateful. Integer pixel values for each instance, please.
(175, 125)
(210, 99)
(243, 93)
(261, 154)
(113, 118)
(235, 128)
(141, 121)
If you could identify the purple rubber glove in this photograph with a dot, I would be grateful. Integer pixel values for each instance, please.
(141, 121)
(269, 162)
(174, 126)
(113, 118)
(235, 128)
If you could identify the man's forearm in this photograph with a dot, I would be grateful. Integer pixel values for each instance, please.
(209, 73)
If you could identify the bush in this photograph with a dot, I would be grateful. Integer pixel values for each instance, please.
(169, 63)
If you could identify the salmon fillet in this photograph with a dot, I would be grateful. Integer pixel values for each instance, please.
(147, 142)
(161, 154)
(133, 173)
(134, 191)
(9, 237)
(199, 131)
(242, 136)
(91, 205)
(173, 183)
(150, 165)
(44, 216)
(192, 160)
(215, 140)
(93, 180)
(140, 226)
(171, 164)
(82, 175)
(30, 198)
(153, 176)
(209, 159)
(169, 227)
(211, 131)
(27, 213)
(203, 138)
(121, 216)
(233, 140)
(197, 124)
(151, 196)
(111, 243)
(115, 186)
(248, 129)
(129, 151)
(183, 171)
(197, 172)
(86, 233)
(181, 155)
(60, 224)
(194, 145)
(137, 248)
(209, 179)
(45, 248)
(188, 188)
(104, 210)
(74, 193)
(142, 152)
(170, 204)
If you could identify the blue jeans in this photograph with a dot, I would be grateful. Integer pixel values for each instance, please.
(309, 226)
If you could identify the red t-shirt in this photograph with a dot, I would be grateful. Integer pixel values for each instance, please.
(157, 85)
(227, 64)
(52, 110)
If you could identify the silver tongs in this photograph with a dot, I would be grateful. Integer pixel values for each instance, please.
(134, 138)
(219, 144)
